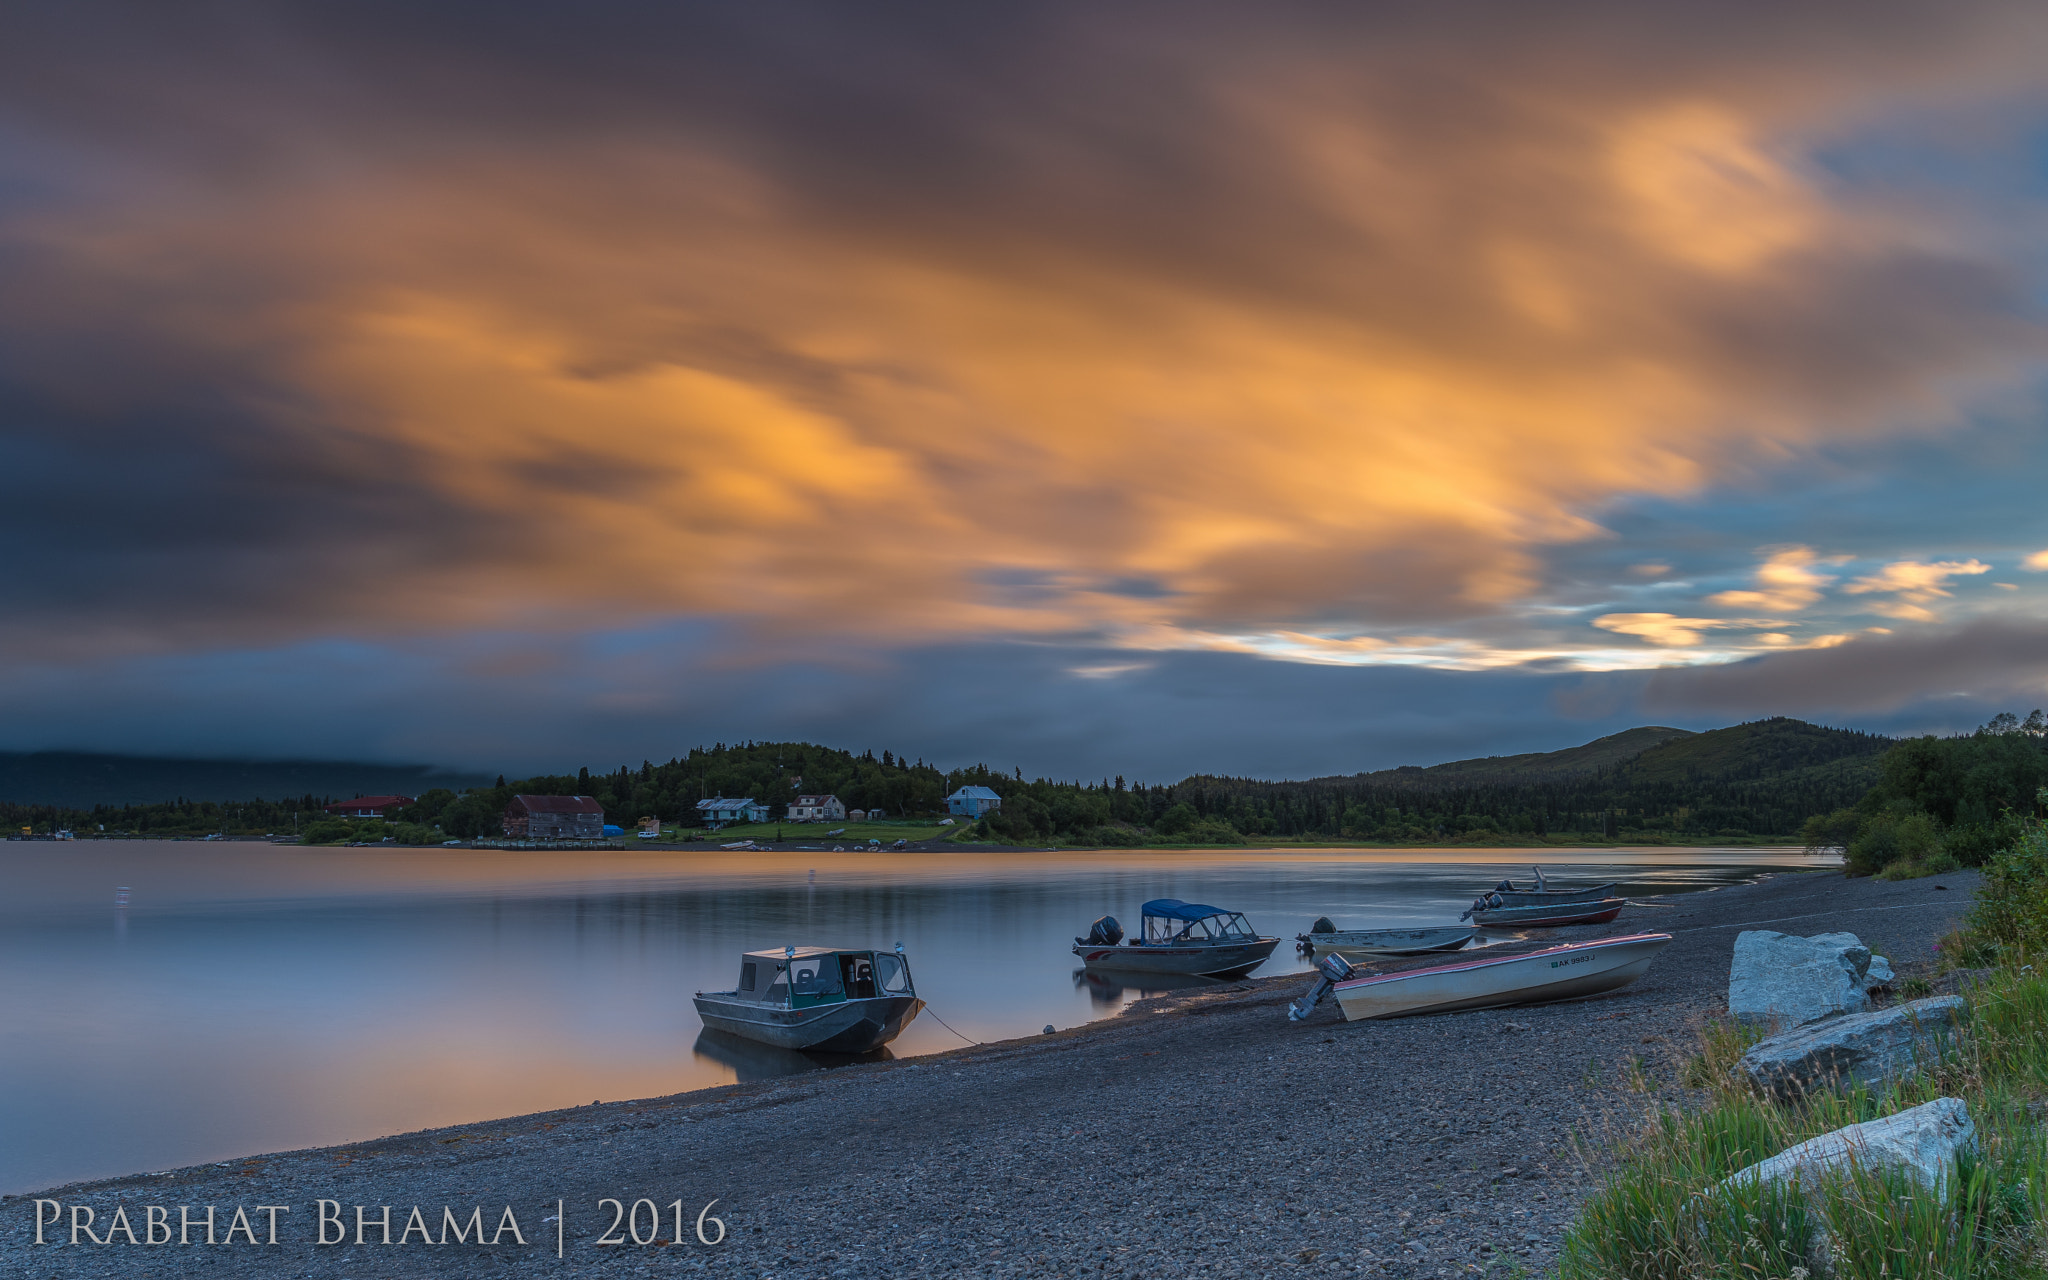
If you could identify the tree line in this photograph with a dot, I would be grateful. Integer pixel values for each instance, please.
(1764, 780)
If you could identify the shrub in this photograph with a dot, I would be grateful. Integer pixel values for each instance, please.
(328, 831)
(1177, 820)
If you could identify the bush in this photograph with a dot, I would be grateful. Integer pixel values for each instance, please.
(1890, 838)
(1177, 820)
(1116, 838)
(2012, 904)
(328, 831)
(1212, 831)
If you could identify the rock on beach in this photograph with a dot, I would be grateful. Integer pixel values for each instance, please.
(1922, 1142)
(1870, 1048)
(1788, 981)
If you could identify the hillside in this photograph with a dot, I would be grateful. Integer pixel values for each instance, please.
(1759, 779)
(81, 780)
(1601, 753)
(1774, 748)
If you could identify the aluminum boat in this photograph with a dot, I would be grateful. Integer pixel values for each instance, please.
(816, 998)
(1388, 942)
(1549, 914)
(1555, 973)
(1178, 937)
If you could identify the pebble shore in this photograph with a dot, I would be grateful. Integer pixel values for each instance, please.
(1197, 1134)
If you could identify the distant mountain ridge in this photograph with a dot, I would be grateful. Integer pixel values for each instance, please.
(1776, 749)
(1600, 753)
(83, 779)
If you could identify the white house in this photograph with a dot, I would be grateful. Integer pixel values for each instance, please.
(817, 809)
(719, 810)
(972, 802)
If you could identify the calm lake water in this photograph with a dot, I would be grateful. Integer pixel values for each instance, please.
(255, 998)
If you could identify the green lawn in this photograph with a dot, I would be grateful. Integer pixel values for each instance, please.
(814, 832)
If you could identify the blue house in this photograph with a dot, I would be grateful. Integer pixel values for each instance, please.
(719, 810)
(972, 802)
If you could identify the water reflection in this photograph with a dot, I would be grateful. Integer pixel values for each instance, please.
(750, 1061)
(256, 998)
(1115, 988)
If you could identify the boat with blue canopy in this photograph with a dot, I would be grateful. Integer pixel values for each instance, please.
(1177, 937)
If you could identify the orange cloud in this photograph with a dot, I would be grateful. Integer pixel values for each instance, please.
(1347, 336)
(1786, 583)
(1913, 585)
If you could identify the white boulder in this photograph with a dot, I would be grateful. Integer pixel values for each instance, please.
(1923, 1142)
(1866, 1047)
(1789, 981)
(1879, 975)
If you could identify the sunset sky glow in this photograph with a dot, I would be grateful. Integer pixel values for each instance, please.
(1150, 388)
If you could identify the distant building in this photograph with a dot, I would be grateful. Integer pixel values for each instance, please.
(857, 815)
(817, 809)
(972, 802)
(719, 810)
(554, 818)
(368, 806)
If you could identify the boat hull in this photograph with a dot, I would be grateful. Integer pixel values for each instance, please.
(1534, 897)
(852, 1026)
(1389, 942)
(1229, 960)
(1550, 915)
(1568, 972)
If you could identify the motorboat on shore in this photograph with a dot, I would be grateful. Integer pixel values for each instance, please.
(816, 998)
(1549, 914)
(1566, 972)
(1386, 942)
(1507, 894)
(1180, 938)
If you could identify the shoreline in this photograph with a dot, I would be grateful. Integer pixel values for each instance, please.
(1196, 1133)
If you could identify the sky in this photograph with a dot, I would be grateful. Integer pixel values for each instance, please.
(1144, 389)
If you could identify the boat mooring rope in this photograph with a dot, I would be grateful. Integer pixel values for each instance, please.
(942, 1022)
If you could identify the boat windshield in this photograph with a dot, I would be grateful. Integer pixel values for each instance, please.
(1220, 927)
(815, 978)
(1230, 926)
(892, 975)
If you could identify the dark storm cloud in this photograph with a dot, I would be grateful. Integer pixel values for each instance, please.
(1060, 711)
(338, 344)
(1991, 663)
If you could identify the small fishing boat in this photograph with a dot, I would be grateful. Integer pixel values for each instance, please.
(1178, 937)
(1565, 972)
(816, 998)
(1505, 894)
(1387, 942)
(1549, 914)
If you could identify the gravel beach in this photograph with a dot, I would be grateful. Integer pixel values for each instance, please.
(1196, 1134)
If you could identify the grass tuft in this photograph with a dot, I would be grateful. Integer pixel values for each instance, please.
(1662, 1212)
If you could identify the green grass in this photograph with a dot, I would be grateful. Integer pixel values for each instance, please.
(1660, 1214)
(814, 832)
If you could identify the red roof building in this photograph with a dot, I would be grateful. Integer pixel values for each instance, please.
(368, 806)
(554, 818)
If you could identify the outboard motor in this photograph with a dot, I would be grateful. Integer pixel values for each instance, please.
(1484, 902)
(1334, 969)
(1105, 932)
